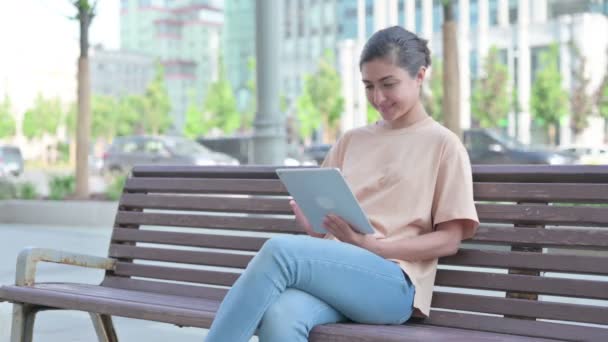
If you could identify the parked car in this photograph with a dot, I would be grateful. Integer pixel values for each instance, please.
(486, 146)
(316, 152)
(125, 152)
(589, 155)
(11, 161)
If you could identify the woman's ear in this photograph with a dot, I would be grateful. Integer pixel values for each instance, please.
(420, 76)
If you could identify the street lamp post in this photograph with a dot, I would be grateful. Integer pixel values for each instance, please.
(269, 142)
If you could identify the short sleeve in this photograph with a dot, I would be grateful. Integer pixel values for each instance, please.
(453, 197)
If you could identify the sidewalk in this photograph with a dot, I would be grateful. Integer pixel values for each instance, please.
(74, 326)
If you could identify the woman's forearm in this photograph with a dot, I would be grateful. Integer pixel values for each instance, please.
(442, 242)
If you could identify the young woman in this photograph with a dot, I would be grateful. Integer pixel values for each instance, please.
(412, 177)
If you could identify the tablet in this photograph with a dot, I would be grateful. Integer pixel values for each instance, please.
(321, 191)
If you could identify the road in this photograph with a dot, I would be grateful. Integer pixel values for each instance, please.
(73, 326)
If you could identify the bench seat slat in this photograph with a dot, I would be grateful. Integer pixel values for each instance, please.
(541, 237)
(529, 261)
(207, 203)
(277, 225)
(541, 192)
(542, 214)
(177, 274)
(206, 186)
(567, 332)
(521, 307)
(523, 283)
(163, 287)
(180, 256)
(231, 242)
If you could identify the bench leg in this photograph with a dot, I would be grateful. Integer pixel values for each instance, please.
(104, 327)
(23, 322)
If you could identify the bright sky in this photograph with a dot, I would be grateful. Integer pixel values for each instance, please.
(40, 46)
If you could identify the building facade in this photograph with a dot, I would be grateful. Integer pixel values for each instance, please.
(184, 36)
(119, 73)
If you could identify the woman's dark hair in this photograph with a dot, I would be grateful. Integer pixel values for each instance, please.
(405, 48)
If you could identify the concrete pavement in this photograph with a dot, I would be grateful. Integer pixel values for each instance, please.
(73, 325)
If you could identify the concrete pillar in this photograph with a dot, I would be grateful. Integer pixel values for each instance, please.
(409, 13)
(380, 14)
(503, 13)
(427, 20)
(482, 34)
(539, 11)
(393, 12)
(523, 71)
(361, 103)
(565, 63)
(463, 64)
(269, 143)
(347, 69)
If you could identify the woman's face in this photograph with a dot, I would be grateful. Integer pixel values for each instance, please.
(389, 88)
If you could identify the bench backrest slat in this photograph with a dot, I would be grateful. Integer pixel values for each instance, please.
(189, 230)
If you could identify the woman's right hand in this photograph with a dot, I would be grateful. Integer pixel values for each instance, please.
(303, 221)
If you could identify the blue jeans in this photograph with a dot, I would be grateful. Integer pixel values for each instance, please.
(297, 282)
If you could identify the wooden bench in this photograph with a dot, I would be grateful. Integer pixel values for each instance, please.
(536, 270)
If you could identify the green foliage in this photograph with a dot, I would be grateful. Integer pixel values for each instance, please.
(7, 189)
(27, 191)
(433, 99)
(581, 103)
(7, 121)
(61, 187)
(115, 188)
(548, 102)
(321, 102)
(156, 105)
(372, 114)
(197, 122)
(44, 117)
(602, 102)
(491, 100)
(219, 106)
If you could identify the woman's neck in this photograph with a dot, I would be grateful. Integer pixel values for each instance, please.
(414, 115)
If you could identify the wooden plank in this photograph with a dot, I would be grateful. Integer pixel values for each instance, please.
(177, 274)
(263, 224)
(530, 214)
(541, 192)
(541, 173)
(206, 186)
(114, 307)
(523, 283)
(230, 242)
(541, 237)
(207, 203)
(568, 332)
(521, 307)
(241, 171)
(180, 256)
(528, 261)
(165, 287)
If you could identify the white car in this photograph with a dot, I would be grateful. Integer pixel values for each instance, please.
(589, 155)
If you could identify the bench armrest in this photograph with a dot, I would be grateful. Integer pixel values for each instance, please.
(29, 257)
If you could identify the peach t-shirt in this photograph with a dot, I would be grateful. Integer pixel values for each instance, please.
(407, 181)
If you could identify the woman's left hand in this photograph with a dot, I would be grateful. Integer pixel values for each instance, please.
(345, 233)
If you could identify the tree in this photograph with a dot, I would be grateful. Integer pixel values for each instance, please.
(44, 117)
(197, 122)
(432, 93)
(451, 87)
(320, 104)
(220, 104)
(581, 103)
(85, 14)
(156, 105)
(548, 100)
(491, 100)
(7, 121)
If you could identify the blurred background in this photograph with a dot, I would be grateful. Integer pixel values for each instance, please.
(175, 81)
